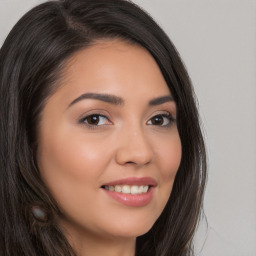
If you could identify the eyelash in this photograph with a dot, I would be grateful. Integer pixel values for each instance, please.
(166, 115)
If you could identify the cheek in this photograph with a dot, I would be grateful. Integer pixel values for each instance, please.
(69, 167)
(169, 158)
(70, 153)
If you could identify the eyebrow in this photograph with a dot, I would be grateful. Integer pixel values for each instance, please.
(160, 100)
(115, 100)
(112, 99)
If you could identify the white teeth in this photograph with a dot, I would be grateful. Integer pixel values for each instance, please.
(128, 189)
(134, 190)
(118, 188)
(111, 188)
(145, 189)
(141, 189)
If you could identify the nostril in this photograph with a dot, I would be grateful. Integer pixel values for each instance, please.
(131, 155)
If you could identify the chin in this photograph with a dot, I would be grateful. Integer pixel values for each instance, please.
(134, 231)
(131, 227)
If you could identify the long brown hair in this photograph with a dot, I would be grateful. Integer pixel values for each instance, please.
(31, 63)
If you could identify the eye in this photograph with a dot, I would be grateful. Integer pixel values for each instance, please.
(95, 120)
(161, 120)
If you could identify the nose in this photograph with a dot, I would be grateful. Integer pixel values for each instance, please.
(133, 148)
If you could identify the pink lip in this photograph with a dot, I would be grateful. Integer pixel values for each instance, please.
(134, 181)
(132, 200)
(129, 199)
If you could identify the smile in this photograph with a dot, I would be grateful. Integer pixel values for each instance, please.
(128, 189)
(133, 191)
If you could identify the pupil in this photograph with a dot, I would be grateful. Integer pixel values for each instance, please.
(158, 120)
(93, 119)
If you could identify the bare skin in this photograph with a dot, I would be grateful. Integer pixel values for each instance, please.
(88, 141)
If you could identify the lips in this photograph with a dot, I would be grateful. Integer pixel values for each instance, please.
(132, 191)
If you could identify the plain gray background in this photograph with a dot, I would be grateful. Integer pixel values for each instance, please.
(217, 41)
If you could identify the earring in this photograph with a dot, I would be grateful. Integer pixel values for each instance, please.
(39, 213)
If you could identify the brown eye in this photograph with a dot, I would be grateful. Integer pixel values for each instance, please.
(157, 120)
(161, 120)
(95, 120)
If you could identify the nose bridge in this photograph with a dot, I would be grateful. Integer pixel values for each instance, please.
(133, 145)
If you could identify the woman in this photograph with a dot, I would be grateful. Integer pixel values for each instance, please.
(101, 148)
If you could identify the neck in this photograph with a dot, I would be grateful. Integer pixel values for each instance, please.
(89, 244)
(105, 247)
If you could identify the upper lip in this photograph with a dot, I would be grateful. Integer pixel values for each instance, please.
(134, 181)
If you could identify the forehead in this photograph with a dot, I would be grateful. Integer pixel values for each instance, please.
(114, 67)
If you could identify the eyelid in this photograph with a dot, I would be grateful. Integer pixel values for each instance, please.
(165, 114)
(92, 126)
(96, 111)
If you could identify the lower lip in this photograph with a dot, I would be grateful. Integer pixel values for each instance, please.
(132, 200)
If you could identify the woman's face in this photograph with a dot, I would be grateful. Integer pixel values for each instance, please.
(110, 126)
